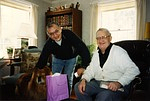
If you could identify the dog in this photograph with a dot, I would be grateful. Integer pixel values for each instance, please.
(33, 86)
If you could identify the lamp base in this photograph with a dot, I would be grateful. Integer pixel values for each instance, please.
(24, 43)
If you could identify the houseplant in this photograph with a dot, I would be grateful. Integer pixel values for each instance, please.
(91, 48)
(10, 52)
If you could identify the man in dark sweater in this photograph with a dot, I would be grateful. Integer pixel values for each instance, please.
(65, 46)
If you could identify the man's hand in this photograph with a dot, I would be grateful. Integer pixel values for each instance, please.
(114, 86)
(80, 71)
(81, 86)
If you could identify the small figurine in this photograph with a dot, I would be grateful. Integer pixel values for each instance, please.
(49, 9)
(77, 5)
(58, 8)
(72, 5)
(62, 7)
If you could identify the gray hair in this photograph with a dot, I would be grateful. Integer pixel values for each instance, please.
(104, 30)
(50, 24)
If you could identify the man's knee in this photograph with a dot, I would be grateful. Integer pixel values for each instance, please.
(107, 95)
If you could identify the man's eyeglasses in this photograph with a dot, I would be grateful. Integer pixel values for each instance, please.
(103, 37)
(52, 33)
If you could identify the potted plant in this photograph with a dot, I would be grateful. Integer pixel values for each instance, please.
(91, 48)
(10, 52)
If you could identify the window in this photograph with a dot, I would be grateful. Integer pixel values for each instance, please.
(119, 19)
(12, 14)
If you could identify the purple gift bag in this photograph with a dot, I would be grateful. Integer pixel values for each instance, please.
(57, 87)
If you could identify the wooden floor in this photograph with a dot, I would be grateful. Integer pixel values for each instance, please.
(73, 96)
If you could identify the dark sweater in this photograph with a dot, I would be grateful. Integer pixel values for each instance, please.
(103, 57)
(70, 47)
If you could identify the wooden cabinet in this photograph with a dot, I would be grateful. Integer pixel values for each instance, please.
(69, 19)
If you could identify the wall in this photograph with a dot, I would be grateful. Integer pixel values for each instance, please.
(43, 7)
(148, 10)
(84, 6)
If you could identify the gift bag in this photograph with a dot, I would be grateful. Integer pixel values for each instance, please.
(57, 87)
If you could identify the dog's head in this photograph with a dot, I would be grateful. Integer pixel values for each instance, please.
(39, 75)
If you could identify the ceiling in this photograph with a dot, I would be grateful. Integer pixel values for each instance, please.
(47, 1)
(50, 1)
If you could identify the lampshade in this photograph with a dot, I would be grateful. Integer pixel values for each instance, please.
(26, 31)
(147, 31)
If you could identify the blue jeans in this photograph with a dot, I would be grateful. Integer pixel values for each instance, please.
(93, 92)
(64, 67)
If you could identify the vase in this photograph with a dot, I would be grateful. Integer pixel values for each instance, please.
(10, 55)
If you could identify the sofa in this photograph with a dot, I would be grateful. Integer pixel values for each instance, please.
(28, 61)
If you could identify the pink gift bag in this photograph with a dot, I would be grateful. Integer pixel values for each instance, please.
(57, 87)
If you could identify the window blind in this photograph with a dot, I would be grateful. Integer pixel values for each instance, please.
(116, 6)
(18, 4)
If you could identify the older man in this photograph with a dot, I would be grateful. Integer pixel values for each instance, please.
(109, 74)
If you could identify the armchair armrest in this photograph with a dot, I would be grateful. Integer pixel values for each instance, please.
(136, 81)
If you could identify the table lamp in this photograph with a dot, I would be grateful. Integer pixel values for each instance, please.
(25, 32)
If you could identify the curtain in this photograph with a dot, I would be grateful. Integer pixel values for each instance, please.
(24, 13)
(34, 22)
(93, 21)
(141, 17)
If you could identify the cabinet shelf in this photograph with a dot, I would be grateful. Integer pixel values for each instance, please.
(65, 11)
(69, 19)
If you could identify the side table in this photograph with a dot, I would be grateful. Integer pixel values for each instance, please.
(12, 67)
(12, 63)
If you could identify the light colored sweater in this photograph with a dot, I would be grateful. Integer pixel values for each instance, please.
(118, 67)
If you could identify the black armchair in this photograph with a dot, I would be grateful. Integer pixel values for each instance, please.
(139, 52)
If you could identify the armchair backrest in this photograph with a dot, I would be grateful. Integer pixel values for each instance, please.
(139, 52)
